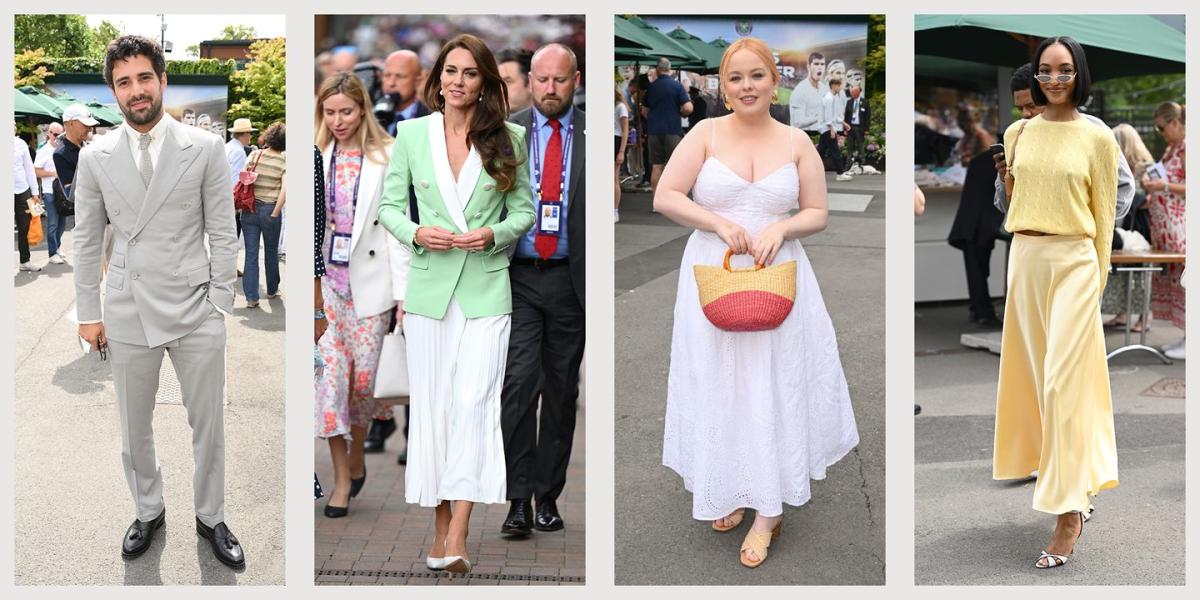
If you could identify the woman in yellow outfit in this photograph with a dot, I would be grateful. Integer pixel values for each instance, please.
(1053, 405)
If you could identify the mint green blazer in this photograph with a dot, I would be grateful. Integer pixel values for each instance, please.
(478, 280)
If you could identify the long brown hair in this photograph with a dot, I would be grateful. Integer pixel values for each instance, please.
(371, 136)
(487, 133)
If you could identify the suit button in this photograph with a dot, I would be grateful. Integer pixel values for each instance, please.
(488, 187)
(376, 221)
(116, 211)
(133, 242)
(137, 275)
(372, 253)
(174, 273)
(425, 184)
(187, 205)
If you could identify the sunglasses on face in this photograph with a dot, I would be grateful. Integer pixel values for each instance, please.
(1162, 127)
(1060, 78)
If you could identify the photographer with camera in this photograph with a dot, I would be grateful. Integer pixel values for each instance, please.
(398, 100)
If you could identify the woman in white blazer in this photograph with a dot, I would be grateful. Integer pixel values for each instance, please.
(366, 271)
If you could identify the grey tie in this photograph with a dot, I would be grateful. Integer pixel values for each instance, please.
(146, 166)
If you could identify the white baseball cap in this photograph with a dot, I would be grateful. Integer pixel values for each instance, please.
(79, 112)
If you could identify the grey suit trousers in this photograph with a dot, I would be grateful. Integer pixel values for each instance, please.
(199, 362)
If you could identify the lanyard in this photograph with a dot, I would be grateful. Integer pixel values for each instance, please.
(537, 161)
(333, 182)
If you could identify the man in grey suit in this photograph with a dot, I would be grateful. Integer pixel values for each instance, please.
(547, 274)
(164, 187)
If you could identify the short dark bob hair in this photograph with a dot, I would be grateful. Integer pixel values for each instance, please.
(274, 137)
(129, 46)
(1083, 76)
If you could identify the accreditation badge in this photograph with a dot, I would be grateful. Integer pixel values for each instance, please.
(550, 217)
(339, 253)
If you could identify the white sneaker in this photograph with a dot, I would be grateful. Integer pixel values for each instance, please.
(28, 266)
(1176, 351)
(58, 260)
(61, 255)
(844, 177)
(616, 215)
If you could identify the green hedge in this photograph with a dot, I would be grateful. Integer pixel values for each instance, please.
(204, 66)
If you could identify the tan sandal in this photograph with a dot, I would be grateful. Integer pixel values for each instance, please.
(734, 519)
(758, 541)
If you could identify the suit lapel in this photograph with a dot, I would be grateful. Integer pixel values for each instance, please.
(118, 167)
(577, 154)
(177, 153)
(447, 186)
(369, 180)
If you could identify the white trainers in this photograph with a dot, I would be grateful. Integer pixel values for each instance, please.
(844, 177)
(28, 266)
(1176, 351)
(58, 260)
(616, 215)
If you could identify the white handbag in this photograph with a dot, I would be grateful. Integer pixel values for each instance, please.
(391, 375)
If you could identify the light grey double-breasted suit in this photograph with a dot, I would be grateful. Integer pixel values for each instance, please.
(162, 291)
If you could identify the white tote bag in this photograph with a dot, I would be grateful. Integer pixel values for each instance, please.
(391, 375)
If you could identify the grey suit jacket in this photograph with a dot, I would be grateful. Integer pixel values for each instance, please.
(161, 282)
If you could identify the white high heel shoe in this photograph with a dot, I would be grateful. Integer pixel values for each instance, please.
(435, 564)
(458, 565)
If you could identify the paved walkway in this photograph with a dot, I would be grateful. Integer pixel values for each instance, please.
(384, 541)
(837, 538)
(971, 530)
(73, 504)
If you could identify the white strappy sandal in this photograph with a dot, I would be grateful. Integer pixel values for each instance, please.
(1051, 561)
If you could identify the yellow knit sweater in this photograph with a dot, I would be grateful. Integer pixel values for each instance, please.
(1065, 181)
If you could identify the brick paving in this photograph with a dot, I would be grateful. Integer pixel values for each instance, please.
(384, 540)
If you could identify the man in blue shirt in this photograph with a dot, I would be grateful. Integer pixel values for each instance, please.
(547, 275)
(664, 105)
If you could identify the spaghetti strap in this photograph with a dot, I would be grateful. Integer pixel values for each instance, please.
(712, 141)
(792, 144)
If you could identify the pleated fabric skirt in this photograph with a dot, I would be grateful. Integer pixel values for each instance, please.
(456, 371)
(1053, 404)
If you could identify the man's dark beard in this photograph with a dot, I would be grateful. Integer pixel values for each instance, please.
(153, 114)
(563, 107)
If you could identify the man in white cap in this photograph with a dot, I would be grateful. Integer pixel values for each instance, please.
(78, 122)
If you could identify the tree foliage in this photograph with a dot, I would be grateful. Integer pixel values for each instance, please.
(30, 68)
(875, 63)
(62, 35)
(259, 90)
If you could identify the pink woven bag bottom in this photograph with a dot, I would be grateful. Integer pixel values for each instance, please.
(751, 310)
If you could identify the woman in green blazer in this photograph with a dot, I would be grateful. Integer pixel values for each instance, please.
(461, 167)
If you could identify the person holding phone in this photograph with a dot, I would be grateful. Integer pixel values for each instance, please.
(1053, 402)
(1167, 212)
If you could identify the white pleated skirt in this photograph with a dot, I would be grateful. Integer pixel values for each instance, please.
(456, 372)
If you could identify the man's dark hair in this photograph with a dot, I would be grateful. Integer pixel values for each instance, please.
(1022, 78)
(274, 137)
(1083, 76)
(129, 46)
(188, 111)
(815, 56)
(522, 57)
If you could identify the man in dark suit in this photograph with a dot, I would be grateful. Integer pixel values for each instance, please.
(858, 115)
(547, 273)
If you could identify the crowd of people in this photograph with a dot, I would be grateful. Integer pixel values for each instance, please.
(652, 107)
(490, 300)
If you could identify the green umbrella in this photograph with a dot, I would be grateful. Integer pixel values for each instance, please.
(628, 35)
(1116, 45)
(709, 54)
(660, 46)
(25, 106)
(46, 101)
(104, 114)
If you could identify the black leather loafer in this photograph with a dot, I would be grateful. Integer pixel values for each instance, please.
(356, 485)
(140, 535)
(225, 545)
(547, 518)
(517, 522)
(378, 434)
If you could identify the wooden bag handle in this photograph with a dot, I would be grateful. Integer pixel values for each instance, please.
(729, 254)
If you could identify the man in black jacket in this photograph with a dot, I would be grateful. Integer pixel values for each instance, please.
(547, 274)
(858, 115)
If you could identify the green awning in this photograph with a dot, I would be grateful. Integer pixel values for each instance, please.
(628, 35)
(660, 44)
(25, 106)
(709, 54)
(46, 101)
(105, 115)
(1116, 45)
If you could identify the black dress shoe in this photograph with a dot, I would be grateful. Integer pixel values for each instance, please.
(380, 431)
(547, 517)
(517, 522)
(140, 534)
(356, 485)
(225, 545)
(402, 458)
(336, 512)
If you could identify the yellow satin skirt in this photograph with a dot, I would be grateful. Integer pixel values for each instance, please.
(1053, 404)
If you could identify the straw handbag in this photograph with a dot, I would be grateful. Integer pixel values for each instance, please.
(751, 299)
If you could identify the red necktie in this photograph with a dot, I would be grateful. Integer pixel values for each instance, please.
(551, 187)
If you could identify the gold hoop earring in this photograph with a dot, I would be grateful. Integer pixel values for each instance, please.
(775, 96)
(727, 106)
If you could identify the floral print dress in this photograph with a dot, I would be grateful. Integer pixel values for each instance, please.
(1167, 233)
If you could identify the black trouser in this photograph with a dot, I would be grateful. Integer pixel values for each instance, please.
(855, 143)
(978, 262)
(828, 146)
(22, 217)
(544, 351)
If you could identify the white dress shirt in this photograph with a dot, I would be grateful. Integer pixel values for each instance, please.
(23, 176)
(157, 135)
(235, 154)
(45, 161)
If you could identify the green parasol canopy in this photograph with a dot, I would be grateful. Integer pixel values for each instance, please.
(25, 106)
(710, 55)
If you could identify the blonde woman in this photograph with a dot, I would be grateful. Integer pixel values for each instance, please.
(366, 271)
(1053, 402)
(752, 417)
(1167, 210)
